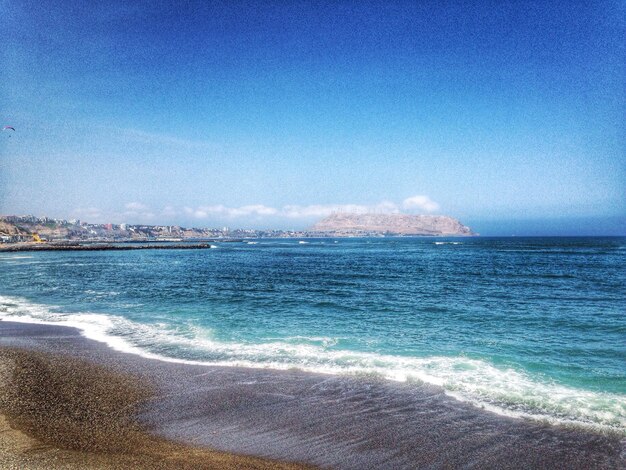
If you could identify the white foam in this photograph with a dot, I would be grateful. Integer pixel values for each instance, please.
(505, 391)
(325, 341)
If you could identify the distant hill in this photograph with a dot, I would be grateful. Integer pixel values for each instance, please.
(347, 224)
(9, 229)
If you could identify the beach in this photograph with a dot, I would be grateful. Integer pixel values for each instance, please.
(57, 411)
(288, 416)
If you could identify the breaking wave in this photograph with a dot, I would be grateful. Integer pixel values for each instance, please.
(506, 391)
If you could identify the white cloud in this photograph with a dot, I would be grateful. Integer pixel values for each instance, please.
(169, 211)
(88, 214)
(310, 211)
(137, 210)
(150, 138)
(420, 202)
(259, 209)
(203, 212)
(135, 206)
(323, 210)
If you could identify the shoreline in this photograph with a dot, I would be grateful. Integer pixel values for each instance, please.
(97, 329)
(330, 421)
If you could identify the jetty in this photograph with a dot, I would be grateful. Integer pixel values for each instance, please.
(19, 247)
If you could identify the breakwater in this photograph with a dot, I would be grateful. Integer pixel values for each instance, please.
(19, 247)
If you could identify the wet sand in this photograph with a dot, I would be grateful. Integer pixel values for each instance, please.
(330, 421)
(60, 412)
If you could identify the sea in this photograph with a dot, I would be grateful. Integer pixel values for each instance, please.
(533, 328)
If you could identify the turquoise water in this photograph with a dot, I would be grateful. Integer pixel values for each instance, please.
(530, 327)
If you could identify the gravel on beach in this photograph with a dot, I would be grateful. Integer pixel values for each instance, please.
(62, 412)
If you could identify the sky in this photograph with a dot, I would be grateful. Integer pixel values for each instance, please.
(506, 115)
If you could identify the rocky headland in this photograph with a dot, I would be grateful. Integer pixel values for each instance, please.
(351, 224)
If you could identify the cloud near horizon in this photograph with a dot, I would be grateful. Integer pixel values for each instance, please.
(135, 206)
(139, 212)
(419, 203)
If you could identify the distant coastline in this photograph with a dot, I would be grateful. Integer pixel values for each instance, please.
(22, 229)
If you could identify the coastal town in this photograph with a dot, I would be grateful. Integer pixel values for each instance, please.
(29, 228)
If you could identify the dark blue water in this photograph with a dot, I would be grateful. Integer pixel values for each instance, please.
(523, 326)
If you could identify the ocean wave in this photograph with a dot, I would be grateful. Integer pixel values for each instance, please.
(19, 261)
(321, 340)
(508, 391)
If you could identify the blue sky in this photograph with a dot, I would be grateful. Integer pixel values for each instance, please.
(506, 115)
